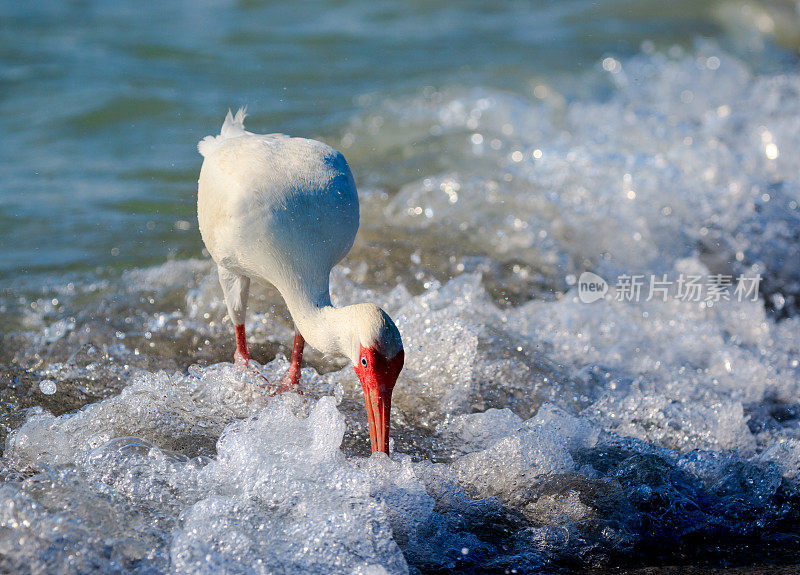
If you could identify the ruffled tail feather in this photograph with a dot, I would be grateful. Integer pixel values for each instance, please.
(232, 127)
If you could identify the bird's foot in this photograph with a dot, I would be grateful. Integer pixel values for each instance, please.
(289, 384)
(245, 363)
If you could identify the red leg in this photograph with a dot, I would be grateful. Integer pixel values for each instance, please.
(241, 357)
(292, 377)
(242, 354)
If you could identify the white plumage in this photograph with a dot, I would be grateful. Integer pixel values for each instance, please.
(284, 211)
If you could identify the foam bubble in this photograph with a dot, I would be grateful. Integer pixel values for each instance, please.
(47, 386)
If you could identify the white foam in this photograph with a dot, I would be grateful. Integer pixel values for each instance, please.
(278, 487)
(280, 495)
(674, 161)
(541, 447)
(481, 430)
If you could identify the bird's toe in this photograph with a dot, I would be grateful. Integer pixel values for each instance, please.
(289, 384)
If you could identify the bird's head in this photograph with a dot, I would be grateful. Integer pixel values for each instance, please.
(377, 355)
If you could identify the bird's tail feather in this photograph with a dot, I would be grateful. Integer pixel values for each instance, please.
(232, 127)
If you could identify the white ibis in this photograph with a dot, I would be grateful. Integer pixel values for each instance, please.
(284, 211)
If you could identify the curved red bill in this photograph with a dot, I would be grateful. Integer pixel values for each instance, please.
(379, 406)
(378, 378)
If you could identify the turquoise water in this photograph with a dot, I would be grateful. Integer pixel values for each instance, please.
(501, 150)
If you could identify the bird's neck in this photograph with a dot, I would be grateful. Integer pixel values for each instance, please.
(324, 327)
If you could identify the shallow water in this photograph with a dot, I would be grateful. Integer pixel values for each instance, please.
(500, 152)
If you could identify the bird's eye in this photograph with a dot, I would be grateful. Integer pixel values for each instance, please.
(364, 361)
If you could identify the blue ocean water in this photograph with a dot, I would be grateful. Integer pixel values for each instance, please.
(103, 102)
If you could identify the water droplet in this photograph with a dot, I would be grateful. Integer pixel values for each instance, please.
(47, 386)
